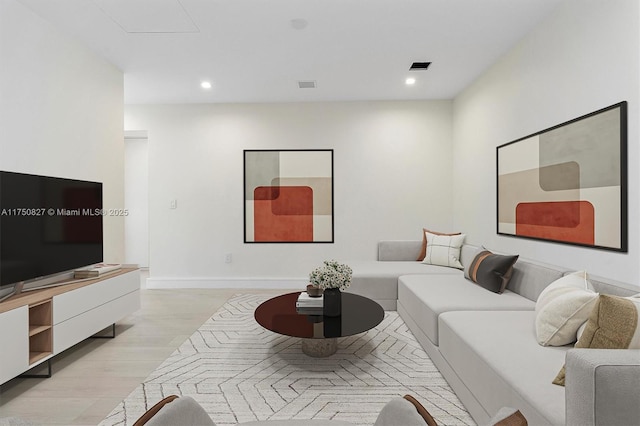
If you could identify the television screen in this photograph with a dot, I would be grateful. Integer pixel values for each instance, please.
(48, 226)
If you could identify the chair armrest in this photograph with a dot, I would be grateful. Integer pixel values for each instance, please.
(399, 250)
(602, 387)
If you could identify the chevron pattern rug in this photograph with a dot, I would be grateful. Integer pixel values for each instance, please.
(239, 372)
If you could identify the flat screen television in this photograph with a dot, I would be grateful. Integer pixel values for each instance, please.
(48, 226)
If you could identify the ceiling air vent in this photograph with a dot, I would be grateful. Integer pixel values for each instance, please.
(416, 66)
(307, 84)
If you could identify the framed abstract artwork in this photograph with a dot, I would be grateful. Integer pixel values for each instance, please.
(568, 184)
(288, 196)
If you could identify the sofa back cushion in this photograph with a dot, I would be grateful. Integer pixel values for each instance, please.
(529, 279)
(468, 253)
(617, 288)
(408, 250)
(398, 250)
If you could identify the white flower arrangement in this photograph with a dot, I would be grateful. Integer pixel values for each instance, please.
(331, 275)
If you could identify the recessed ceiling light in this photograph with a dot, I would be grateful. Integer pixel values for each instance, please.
(205, 85)
(410, 81)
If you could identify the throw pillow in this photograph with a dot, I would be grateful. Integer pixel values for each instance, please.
(613, 324)
(444, 250)
(507, 416)
(581, 330)
(423, 250)
(562, 308)
(491, 271)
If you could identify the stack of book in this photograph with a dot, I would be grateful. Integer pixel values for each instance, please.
(309, 305)
(96, 270)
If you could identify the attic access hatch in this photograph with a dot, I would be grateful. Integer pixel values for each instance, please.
(133, 16)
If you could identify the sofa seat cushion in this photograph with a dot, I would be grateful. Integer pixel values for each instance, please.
(498, 358)
(379, 280)
(426, 297)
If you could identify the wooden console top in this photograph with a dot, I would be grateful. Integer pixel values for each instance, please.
(35, 296)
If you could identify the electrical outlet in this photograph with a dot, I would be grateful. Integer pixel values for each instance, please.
(173, 204)
(228, 258)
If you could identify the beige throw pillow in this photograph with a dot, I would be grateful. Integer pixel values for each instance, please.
(444, 250)
(613, 324)
(423, 249)
(507, 416)
(562, 308)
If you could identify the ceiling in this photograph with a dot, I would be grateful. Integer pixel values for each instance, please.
(258, 50)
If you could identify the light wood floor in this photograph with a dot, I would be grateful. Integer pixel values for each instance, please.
(90, 379)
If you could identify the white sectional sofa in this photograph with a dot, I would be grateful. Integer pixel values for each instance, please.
(485, 343)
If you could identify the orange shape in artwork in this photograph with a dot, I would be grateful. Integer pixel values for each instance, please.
(283, 213)
(570, 221)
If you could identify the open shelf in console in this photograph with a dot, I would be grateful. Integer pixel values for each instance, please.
(40, 331)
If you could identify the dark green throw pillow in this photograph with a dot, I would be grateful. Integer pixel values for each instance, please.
(491, 271)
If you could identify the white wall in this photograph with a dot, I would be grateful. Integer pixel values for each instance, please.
(584, 57)
(136, 198)
(392, 176)
(61, 111)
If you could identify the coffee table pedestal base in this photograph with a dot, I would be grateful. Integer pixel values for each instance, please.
(320, 348)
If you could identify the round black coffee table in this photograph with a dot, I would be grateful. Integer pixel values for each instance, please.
(319, 333)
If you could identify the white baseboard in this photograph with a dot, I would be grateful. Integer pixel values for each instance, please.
(226, 282)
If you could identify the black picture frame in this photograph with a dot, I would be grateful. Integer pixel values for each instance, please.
(567, 184)
(288, 196)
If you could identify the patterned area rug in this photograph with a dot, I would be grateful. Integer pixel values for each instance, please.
(241, 372)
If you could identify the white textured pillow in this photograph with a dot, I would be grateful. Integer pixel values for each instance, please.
(562, 308)
(444, 250)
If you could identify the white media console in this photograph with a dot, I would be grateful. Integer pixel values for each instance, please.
(37, 325)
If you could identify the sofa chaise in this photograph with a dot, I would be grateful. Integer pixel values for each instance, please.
(485, 344)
